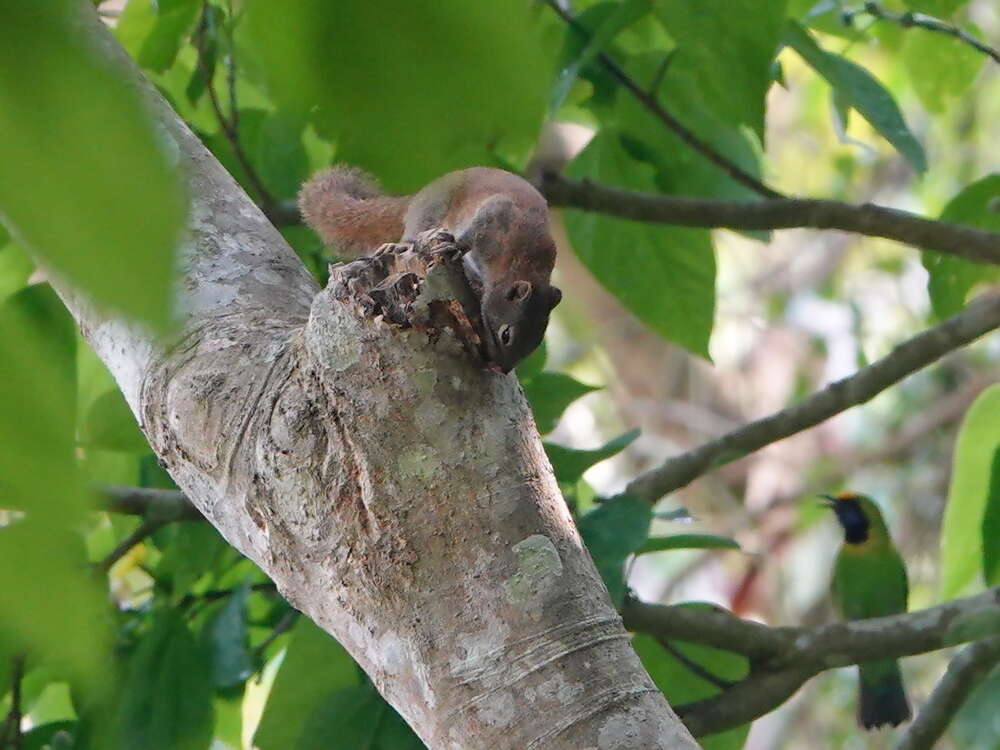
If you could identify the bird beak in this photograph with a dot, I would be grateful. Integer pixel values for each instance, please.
(831, 501)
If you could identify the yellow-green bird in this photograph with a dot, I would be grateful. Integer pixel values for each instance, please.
(869, 580)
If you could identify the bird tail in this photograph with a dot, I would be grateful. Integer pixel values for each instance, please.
(348, 210)
(882, 697)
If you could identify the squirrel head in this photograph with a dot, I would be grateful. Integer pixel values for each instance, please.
(515, 317)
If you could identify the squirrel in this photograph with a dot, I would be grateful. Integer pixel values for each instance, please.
(499, 216)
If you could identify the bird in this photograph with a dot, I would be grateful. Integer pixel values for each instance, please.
(869, 580)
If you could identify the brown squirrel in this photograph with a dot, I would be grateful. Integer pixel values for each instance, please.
(500, 217)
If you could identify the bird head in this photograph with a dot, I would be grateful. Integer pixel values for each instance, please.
(859, 516)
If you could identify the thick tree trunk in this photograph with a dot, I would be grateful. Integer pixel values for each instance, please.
(396, 493)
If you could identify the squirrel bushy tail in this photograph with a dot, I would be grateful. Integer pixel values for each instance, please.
(348, 210)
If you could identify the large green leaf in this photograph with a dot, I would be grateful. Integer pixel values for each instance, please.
(941, 68)
(56, 609)
(991, 524)
(680, 683)
(858, 88)
(225, 639)
(950, 278)
(733, 76)
(68, 117)
(613, 531)
(152, 31)
(167, 700)
(314, 667)
(408, 90)
(961, 532)
(664, 275)
(356, 718)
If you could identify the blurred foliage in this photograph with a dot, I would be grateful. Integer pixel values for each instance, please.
(409, 90)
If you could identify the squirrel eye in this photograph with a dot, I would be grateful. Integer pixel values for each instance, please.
(505, 334)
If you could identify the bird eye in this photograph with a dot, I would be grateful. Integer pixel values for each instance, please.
(505, 334)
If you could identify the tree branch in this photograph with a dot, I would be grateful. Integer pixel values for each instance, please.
(162, 505)
(977, 245)
(979, 317)
(964, 673)
(910, 19)
(783, 658)
(648, 100)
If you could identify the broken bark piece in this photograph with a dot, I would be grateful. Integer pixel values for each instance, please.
(420, 284)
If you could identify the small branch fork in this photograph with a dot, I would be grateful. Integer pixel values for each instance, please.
(911, 19)
(980, 317)
(783, 658)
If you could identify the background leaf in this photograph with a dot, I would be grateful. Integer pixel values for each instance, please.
(961, 531)
(613, 531)
(951, 279)
(664, 275)
(863, 92)
(66, 114)
(686, 541)
(570, 464)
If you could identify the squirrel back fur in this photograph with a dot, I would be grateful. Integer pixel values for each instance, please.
(348, 210)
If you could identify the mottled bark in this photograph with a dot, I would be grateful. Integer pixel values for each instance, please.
(396, 493)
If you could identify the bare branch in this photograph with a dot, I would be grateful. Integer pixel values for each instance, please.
(964, 673)
(783, 658)
(981, 316)
(146, 528)
(161, 505)
(911, 19)
(977, 245)
(648, 100)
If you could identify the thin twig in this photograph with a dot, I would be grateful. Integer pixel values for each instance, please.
(11, 735)
(964, 673)
(285, 624)
(227, 125)
(163, 505)
(266, 587)
(911, 19)
(980, 317)
(146, 528)
(649, 101)
(977, 245)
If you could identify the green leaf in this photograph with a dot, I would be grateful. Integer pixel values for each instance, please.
(375, 80)
(569, 464)
(44, 737)
(167, 703)
(687, 541)
(978, 439)
(971, 728)
(347, 719)
(617, 17)
(950, 278)
(66, 114)
(733, 76)
(314, 667)
(939, 8)
(190, 550)
(862, 91)
(549, 393)
(152, 30)
(225, 638)
(991, 524)
(110, 425)
(15, 269)
(613, 531)
(941, 68)
(664, 275)
(681, 685)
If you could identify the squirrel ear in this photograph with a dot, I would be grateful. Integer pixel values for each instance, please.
(555, 296)
(519, 290)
